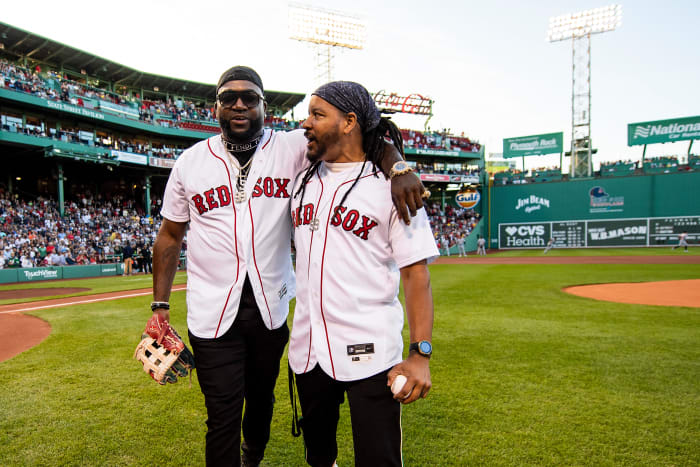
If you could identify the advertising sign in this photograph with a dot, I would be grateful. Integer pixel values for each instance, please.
(663, 131)
(628, 232)
(533, 235)
(468, 199)
(122, 156)
(160, 162)
(39, 274)
(535, 145)
(602, 201)
(646, 231)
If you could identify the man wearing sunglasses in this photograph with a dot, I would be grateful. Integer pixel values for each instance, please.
(233, 190)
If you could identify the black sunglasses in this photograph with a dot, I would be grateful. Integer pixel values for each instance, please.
(229, 98)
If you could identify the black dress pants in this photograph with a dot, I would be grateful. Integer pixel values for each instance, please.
(375, 416)
(243, 364)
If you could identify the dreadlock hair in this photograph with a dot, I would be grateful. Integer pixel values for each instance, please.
(373, 145)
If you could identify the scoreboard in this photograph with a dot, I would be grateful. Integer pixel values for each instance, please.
(665, 230)
(569, 234)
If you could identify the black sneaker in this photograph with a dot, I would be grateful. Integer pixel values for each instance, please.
(250, 457)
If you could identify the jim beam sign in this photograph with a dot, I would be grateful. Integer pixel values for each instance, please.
(533, 235)
(532, 203)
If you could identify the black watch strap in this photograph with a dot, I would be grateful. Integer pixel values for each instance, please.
(416, 347)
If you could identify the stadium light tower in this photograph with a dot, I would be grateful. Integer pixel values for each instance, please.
(578, 27)
(327, 31)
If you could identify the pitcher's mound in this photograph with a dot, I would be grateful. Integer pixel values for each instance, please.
(663, 293)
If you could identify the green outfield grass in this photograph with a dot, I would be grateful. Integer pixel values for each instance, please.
(523, 374)
(652, 251)
(96, 285)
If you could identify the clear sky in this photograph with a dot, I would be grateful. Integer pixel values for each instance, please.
(487, 64)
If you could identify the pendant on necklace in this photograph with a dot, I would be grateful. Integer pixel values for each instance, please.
(314, 225)
(239, 197)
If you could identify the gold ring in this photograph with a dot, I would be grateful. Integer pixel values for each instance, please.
(426, 194)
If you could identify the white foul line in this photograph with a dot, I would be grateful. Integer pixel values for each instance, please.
(90, 300)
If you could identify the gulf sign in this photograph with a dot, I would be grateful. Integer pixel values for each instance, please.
(468, 199)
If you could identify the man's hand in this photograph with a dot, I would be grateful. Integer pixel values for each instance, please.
(416, 369)
(406, 193)
(163, 313)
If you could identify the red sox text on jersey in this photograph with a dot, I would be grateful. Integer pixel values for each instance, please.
(348, 220)
(221, 196)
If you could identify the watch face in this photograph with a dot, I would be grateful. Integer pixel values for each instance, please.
(425, 347)
(400, 166)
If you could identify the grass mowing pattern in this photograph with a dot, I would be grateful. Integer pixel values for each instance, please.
(522, 374)
(96, 285)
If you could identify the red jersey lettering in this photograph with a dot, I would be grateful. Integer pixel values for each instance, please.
(367, 225)
(199, 204)
(211, 202)
(224, 195)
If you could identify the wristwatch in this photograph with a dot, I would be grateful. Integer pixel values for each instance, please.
(424, 348)
(399, 168)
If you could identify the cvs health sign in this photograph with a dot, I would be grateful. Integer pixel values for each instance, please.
(533, 235)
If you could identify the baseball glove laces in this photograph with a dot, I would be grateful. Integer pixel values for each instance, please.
(163, 354)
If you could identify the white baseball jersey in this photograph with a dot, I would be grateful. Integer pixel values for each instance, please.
(227, 240)
(348, 317)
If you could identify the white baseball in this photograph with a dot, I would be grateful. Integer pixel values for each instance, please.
(398, 384)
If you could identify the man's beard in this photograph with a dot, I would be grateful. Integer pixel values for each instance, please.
(253, 130)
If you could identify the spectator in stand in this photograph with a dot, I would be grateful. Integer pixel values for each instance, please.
(128, 253)
(147, 260)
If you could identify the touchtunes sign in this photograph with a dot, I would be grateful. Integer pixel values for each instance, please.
(663, 131)
(535, 145)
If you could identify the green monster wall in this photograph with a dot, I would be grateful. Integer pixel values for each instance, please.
(548, 207)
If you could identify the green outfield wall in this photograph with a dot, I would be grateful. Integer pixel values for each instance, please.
(8, 276)
(645, 210)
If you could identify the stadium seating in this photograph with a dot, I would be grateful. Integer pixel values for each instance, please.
(617, 169)
(664, 164)
(438, 140)
(547, 175)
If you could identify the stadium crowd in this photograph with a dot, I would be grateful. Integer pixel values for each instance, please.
(93, 230)
(441, 140)
(174, 112)
(450, 224)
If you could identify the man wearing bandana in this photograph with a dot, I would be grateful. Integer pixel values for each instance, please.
(232, 191)
(352, 250)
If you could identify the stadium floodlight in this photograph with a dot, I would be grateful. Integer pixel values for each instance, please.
(327, 31)
(584, 23)
(579, 27)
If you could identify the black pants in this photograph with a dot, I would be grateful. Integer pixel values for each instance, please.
(242, 364)
(375, 415)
